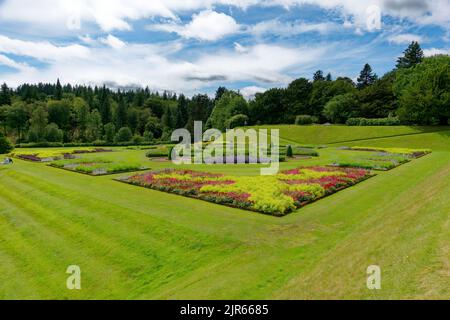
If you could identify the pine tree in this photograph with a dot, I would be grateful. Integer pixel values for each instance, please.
(166, 119)
(318, 76)
(329, 77)
(121, 114)
(58, 90)
(105, 106)
(4, 117)
(5, 95)
(366, 77)
(413, 55)
(182, 112)
(219, 93)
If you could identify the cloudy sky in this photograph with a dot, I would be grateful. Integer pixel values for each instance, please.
(194, 46)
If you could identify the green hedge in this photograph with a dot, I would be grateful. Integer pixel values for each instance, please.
(306, 119)
(392, 121)
(98, 143)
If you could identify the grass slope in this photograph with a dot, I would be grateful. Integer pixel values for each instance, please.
(320, 134)
(132, 242)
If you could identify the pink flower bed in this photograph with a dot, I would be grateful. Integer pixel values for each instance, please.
(307, 184)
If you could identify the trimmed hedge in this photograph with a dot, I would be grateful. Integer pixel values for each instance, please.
(306, 119)
(392, 121)
(98, 143)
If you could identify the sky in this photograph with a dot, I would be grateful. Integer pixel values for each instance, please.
(193, 46)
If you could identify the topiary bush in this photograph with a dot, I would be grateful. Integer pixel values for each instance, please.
(170, 153)
(289, 152)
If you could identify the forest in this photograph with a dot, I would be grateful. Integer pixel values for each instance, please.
(416, 92)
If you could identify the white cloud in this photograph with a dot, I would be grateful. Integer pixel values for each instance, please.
(42, 50)
(118, 14)
(113, 42)
(207, 25)
(258, 63)
(434, 51)
(87, 39)
(250, 91)
(93, 60)
(4, 60)
(240, 48)
(290, 28)
(108, 14)
(406, 38)
(145, 64)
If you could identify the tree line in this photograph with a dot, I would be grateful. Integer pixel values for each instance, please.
(415, 92)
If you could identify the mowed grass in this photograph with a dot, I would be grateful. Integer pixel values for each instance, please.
(321, 134)
(136, 243)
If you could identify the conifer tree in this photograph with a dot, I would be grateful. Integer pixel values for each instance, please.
(413, 55)
(58, 91)
(366, 77)
(318, 76)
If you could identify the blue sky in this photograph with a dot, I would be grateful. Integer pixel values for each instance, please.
(195, 46)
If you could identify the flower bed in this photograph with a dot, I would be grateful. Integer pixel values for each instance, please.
(97, 167)
(382, 163)
(276, 195)
(48, 155)
(378, 158)
(412, 153)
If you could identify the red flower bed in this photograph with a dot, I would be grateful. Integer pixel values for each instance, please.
(275, 195)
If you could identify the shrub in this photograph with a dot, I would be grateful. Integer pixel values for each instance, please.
(124, 135)
(305, 119)
(53, 133)
(170, 153)
(238, 120)
(341, 108)
(391, 121)
(100, 143)
(137, 139)
(148, 136)
(110, 131)
(305, 152)
(33, 136)
(5, 145)
(289, 152)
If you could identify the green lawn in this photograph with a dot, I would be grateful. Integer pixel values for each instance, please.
(132, 242)
(320, 134)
